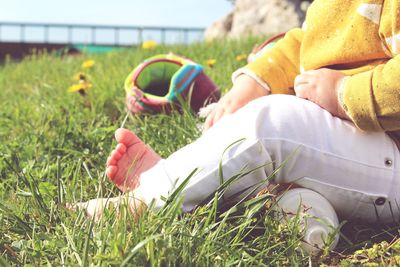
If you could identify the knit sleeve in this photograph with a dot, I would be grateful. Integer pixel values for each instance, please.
(280, 65)
(372, 98)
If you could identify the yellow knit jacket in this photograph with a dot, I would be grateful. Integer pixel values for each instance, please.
(361, 38)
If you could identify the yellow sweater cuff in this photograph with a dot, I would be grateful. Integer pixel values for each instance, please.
(276, 78)
(358, 101)
(244, 71)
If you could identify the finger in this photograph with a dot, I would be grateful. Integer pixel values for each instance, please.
(302, 79)
(220, 113)
(302, 91)
(209, 120)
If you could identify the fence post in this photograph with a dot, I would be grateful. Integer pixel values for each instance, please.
(185, 36)
(22, 33)
(46, 34)
(69, 34)
(93, 30)
(163, 35)
(140, 35)
(116, 36)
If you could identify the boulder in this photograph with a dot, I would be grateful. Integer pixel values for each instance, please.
(258, 17)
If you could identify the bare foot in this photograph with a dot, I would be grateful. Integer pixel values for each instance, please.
(129, 159)
(95, 208)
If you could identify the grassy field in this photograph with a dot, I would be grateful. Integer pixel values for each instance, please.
(53, 150)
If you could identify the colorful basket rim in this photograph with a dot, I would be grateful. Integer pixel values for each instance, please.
(187, 72)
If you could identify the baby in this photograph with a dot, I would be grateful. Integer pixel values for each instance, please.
(322, 105)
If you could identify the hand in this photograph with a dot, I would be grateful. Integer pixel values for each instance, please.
(321, 87)
(243, 91)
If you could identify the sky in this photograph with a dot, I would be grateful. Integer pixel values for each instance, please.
(173, 13)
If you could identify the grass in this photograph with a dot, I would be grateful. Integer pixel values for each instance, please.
(53, 148)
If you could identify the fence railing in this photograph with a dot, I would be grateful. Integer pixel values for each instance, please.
(95, 34)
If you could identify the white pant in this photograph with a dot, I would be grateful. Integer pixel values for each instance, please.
(357, 172)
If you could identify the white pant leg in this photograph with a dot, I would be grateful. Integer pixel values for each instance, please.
(326, 154)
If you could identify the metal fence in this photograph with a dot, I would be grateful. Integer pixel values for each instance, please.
(95, 34)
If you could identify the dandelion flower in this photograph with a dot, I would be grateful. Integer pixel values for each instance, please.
(211, 62)
(81, 87)
(80, 76)
(241, 57)
(149, 44)
(87, 64)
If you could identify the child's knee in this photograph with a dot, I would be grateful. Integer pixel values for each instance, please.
(278, 115)
(277, 105)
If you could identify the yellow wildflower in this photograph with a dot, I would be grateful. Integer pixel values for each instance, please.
(87, 64)
(211, 62)
(80, 76)
(81, 87)
(241, 57)
(149, 44)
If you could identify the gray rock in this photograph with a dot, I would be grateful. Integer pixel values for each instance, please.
(258, 17)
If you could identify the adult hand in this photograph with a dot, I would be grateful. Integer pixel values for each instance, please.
(321, 87)
(243, 91)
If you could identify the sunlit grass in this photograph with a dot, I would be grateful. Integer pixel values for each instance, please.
(53, 148)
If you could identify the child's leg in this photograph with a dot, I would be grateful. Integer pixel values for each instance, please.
(355, 171)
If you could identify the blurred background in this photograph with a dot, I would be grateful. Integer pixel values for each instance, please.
(100, 25)
(104, 25)
(125, 21)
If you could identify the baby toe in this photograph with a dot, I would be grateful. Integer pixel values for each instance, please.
(121, 148)
(116, 155)
(111, 171)
(111, 161)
